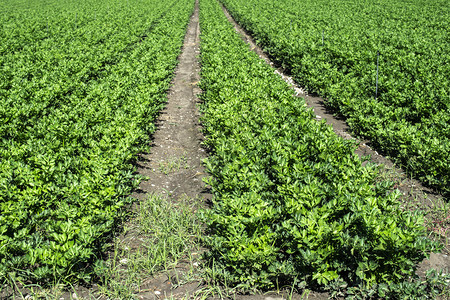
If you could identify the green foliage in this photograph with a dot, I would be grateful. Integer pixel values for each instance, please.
(78, 102)
(434, 286)
(331, 48)
(292, 202)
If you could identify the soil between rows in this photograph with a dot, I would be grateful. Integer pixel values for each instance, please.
(177, 141)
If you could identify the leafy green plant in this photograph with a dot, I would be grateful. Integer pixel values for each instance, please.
(293, 204)
(78, 104)
(435, 285)
(331, 47)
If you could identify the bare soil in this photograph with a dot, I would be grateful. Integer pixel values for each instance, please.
(174, 165)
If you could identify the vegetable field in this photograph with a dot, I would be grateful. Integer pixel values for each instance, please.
(83, 82)
(293, 202)
(332, 47)
(80, 86)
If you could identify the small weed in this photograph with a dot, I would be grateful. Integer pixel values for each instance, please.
(173, 164)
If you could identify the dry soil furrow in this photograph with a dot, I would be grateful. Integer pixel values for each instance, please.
(174, 165)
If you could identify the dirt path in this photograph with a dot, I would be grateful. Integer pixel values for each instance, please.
(414, 194)
(174, 165)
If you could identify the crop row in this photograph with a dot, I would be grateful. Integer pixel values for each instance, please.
(78, 102)
(292, 201)
(331, 48)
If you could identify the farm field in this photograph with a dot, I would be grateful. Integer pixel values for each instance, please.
(80, 85)
(293, 202)
(147, 152)
(331, 48)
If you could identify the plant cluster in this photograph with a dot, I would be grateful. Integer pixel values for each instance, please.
(293, 204)
(80, 87)
(331, 48)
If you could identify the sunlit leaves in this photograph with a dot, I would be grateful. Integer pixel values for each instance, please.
(293, 202)
(331, 47)
(79, 103)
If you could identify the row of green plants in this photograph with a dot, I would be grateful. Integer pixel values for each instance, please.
(332, 47)
(293, 204)
(78, 102)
